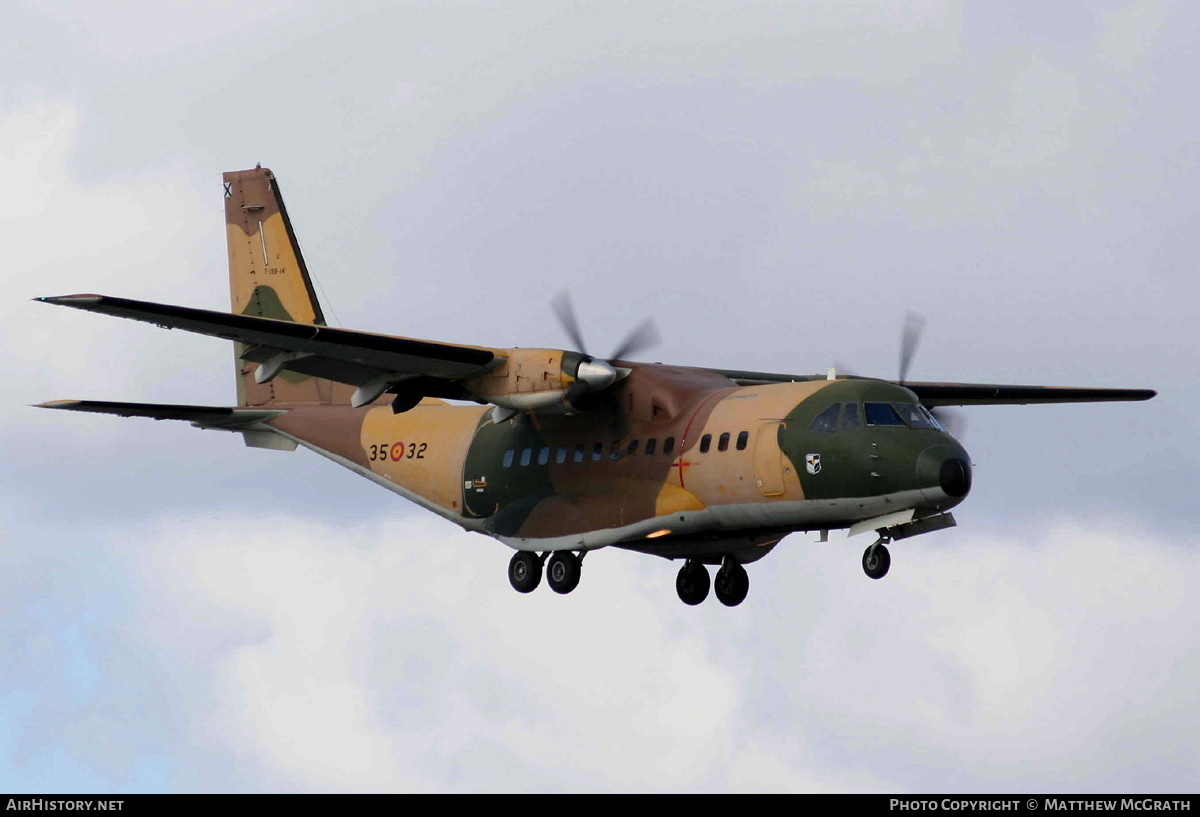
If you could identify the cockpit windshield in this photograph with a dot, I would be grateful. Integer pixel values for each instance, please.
(882, 414)
(897, 415)
(827, 420)
(917, 416)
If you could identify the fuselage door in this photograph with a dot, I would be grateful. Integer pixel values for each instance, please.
(768, 459)
(478, 497)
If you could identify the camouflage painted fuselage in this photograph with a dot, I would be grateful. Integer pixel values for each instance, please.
(683, 463)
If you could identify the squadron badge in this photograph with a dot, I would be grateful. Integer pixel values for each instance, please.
(812, 463)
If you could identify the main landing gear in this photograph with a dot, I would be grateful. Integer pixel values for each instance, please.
(525, 571)
(562, 574)
(563, 568)
(692, 583)
(877, 560)
(731, 584)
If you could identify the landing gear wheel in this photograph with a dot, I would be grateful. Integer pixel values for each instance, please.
(525, 571)
(563, 571)
(876, 561)
(731, 584)
(692, 583)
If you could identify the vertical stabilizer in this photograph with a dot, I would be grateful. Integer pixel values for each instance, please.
(268, 279)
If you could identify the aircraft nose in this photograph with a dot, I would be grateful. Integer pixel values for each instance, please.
(944, 473)
(955, 477)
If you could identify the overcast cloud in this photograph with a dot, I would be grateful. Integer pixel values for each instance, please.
(776, 186)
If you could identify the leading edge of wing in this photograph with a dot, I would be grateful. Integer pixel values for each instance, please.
(202, 416)
(965, 394)
(385, 352)
(984, 394)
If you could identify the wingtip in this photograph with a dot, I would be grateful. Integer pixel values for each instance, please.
(85, 299)
(57, 404)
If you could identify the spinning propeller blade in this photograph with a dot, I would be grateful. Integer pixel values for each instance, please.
(914, 325)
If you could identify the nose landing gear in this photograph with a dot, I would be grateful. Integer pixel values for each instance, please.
(876, 559)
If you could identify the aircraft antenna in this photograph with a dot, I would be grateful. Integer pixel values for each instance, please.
(324, 297)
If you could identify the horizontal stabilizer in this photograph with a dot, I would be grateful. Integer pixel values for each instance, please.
(230, 419)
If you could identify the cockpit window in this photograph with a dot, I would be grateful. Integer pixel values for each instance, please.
(882, 414)
(850, 416)
(933, 419)
(827, 420)
(915, 415)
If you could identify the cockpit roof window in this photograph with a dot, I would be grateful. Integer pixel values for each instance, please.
(914, 415)
(882, 414)
(827, 420)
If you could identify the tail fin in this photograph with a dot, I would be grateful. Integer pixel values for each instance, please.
(268, 279)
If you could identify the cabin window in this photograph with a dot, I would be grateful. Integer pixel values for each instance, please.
(827, 420)
(614, 450)
(560, 456)
(543, 455)
(669, 446)
(850, 416)
(705, 443)
(723, 442)
(743, 439)
(632, 449)
(882, 414)
(651, 444)
(526, 455)
(579, 453)
(508, 458)
(597, 451)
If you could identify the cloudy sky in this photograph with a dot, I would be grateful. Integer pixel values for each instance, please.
(776, 184)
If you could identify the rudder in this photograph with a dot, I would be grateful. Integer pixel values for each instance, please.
(268, 279)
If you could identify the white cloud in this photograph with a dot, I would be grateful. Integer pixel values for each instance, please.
(332, 635)
(1130, 30)
(146, 235)
(160, 31)
(291, 654)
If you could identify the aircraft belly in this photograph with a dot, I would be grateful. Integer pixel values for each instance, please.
(782, 516)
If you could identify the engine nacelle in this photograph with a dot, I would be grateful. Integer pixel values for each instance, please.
(547, 381)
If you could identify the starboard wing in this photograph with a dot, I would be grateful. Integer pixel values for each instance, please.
(934, 394)
(981, 394)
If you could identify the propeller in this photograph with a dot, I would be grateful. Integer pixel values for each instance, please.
(643, 336)
(594, 374)
(910, 336)
(955, 422)
(564, 310)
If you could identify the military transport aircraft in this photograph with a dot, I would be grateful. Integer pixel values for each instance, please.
(556, 452)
